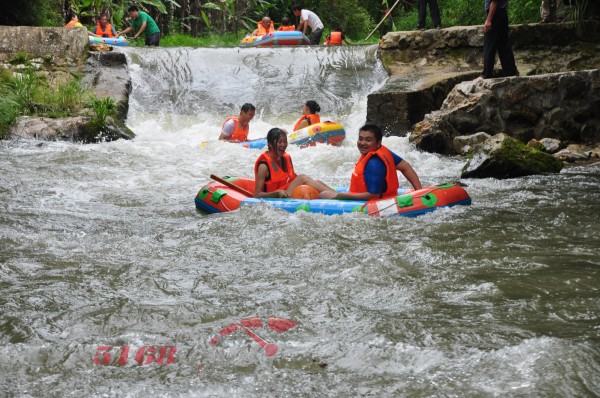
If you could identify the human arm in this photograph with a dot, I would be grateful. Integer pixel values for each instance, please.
(490, 15)
(409, 173)
(259, 184)
(126, 30)
(227, 130)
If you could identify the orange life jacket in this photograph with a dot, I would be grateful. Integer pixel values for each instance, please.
(335, 39)
(104, 33)
(261, 31)
(278, 178)
(239, 134)
(288, 28)
(312, 119)
(357, 181)
(73, 23)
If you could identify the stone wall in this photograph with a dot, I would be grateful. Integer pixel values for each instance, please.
(66, 43)
(565, 106)
(425, 66)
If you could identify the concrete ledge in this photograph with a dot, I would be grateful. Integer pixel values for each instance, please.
(69, 43)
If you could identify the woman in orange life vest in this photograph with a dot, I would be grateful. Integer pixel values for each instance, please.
(264, 27)
(374, 175)
(103, 28)
(236, 128)
(274, 172)
(309, 115)
(285, 25)
(73, 22)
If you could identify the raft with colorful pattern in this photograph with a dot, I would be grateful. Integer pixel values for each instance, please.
(218, 197)
(331, 133)
(277, 38)
(111, 41)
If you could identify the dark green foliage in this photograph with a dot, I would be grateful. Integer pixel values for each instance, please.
(31, 12)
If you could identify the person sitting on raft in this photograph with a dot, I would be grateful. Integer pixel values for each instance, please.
(103, 28)
(73, 21)
(309, 115)
(264, 27)
(285, 25)
(274, 172)
(335, 38)
(236, 128)
(374, 175)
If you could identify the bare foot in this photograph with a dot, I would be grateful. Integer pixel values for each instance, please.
(478, 79)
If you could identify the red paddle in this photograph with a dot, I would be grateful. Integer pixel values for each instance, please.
(232, 186)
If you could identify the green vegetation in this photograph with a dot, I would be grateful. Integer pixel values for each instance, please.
(29, 93)
(224, 22)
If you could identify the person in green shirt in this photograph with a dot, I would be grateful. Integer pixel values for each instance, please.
(142, 23)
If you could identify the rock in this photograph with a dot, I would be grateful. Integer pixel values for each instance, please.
(525, 107)
(100, 47)
(504, 157)
(74, 129)
(550, 145)
(464, 144)
(106, 73)
(425, 66)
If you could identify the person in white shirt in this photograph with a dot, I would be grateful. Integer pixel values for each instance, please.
(309, 19)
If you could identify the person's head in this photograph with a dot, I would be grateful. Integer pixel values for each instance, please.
(133, 11)
(311, 107)
(297, 9)
(277, 140)
(247, 112)
(369, 138)
(337, 29)
(285, 21)
(72, 17)
(266, 22)
(103, 19)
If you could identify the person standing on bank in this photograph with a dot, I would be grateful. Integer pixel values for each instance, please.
(309, 19)
(142, 24)
(495, 40)
(434, 10)
(558, 14)
(374, 175)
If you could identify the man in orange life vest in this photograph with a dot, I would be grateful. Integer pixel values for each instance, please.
(374, 175)
(264, 27)
(286, 26)
(236, 128)
(103, 28)
(335, 38)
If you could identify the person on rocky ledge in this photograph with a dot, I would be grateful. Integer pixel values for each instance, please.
(495, 40)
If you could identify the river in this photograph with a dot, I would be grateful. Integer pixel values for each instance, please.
(113, 285)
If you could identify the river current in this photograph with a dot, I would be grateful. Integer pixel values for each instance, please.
(112, 284)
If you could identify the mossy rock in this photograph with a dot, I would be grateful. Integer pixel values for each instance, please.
(504, 157)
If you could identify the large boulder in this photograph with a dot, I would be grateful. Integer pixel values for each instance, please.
(504, 157)
(564, 106)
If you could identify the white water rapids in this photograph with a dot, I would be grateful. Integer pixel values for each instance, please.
(101, 246)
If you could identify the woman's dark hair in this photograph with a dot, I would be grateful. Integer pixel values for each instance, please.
(297, 7)
(132, 8)
(313, 106)
(248, 107)
(373, 129)
(273, 136)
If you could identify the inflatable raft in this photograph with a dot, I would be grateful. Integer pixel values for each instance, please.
(319, 133)
(111, 41)
(220, 197)
(278, 38)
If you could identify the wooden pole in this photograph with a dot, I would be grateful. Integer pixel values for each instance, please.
(386, 15)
